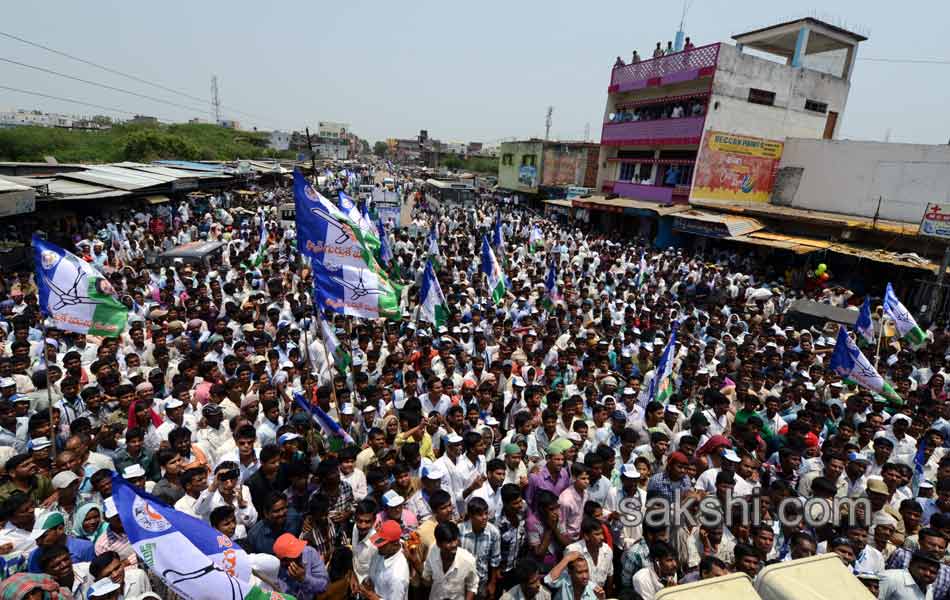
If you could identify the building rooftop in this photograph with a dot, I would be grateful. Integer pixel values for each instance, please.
(782, 38)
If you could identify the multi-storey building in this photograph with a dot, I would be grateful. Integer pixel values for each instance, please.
(671, 117)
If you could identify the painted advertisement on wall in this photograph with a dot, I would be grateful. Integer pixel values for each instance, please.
(528, 176)
(736, 167)
(936, 221)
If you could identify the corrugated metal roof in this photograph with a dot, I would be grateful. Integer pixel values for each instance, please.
(660, 209)
(191, 166)
(119, 178)
(811, 216)
(30, 182)
(9, 186)
(558, 202)
(167, 171)
(734, 225)
(65, 189)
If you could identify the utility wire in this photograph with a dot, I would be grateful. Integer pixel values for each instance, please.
(102, 85)
(120, 73)
(73, 101)
(923, 61)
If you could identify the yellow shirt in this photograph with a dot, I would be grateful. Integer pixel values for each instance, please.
(425, 445)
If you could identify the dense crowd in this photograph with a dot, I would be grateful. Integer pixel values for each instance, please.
(510, 452)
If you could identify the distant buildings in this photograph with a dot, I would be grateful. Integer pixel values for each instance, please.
(529, 165)
(278, 140)
(36, 118)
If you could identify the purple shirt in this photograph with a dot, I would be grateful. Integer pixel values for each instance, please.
(572, 511)
(543, 480)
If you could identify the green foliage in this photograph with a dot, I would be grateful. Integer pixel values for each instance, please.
(473, 164)
(380, 149)
(186, 141)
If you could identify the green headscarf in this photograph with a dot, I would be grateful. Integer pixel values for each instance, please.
(81, 513)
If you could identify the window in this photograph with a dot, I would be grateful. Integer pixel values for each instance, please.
(506, 159)
(761, 97)
(627, 171)
(815, 106)
(529, 160)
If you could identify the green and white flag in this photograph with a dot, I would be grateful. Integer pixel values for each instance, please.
(432, 306)
(493, 272)
(535, 239)
(75, 294)
(261, 244)
(906, 326)
(341, 357)
(850, 364)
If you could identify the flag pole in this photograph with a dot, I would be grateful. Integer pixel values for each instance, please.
(880, 336)
(326, 356)
(49, 394)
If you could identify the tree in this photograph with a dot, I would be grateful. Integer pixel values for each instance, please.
(380, 149)
(145, 146)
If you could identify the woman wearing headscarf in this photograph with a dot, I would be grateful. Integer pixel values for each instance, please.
(88, 523)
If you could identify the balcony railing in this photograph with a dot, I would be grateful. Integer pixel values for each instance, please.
(651, 193)
(684, 130)
(681, 66)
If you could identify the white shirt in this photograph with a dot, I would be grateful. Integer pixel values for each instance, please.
(870, 560)
(603, 569)
(459, 578)
(898, 584)
(492, 497)
(390, 576)
(363, 553)
(357, 481)
(245, 517)
(647, 583)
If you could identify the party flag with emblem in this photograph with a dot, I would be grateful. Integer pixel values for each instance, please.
(341, 357)
(535, 239)
(191, 557)
(432, 306)
(262, 242)
(864, 325)
(356, 291)
(661, 386)
(74, 294)
(551, 292)
(906, 326)
(432, 249)
(850, 364)
(327, 424)
(642, 272)
(493, 272)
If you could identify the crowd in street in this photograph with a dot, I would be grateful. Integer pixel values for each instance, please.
(509, 452)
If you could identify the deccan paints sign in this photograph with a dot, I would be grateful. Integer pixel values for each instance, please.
(936, 221)
(736, 167)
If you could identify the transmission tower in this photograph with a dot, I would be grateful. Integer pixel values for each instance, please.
(215, 101)
(547, 123)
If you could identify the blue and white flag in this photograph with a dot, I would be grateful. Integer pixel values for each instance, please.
(642, 271)
(327, 424)
(361, 220)
(864, 325)
(385, 250)
(195, 560)
(904, 322)
(497, 286)
(262, 241)
(74, 294)
(359, 291)
(498, 237)
(661, 386)
(850, 364)
(551, 292)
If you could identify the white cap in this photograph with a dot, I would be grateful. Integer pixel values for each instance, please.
(453, 438)
(7, 382)
(628, 391)
(392, 499)
(133, 471)
(174, 403)
(40, 443)
(109, 505)
(491, 421)
(103, 587)
(64, 479)
(346, 409)
(432, 471)
(730, 455)
(629, 471)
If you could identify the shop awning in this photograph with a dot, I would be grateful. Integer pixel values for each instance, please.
(619, 204)
(16, 199)
(798, 245)
(156, 199)
(716, 225)
(559, 202)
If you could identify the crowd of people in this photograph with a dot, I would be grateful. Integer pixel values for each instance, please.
(510, 452)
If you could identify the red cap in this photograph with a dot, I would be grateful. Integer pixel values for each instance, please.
(678, 458)
(288, 546)
(811, 440)
(390, 531)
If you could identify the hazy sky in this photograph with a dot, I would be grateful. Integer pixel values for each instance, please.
(473, 71)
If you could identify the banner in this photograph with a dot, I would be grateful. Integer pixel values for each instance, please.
(736, 168)
(191, 557)
(936, 221)
(74, 294)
